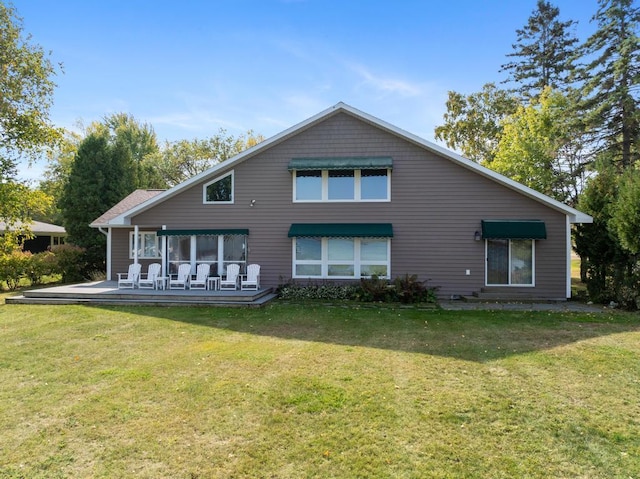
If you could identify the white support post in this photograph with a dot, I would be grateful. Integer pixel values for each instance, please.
(135, 244)
(163, 253)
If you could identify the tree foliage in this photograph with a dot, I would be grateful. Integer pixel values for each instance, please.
(180, 160)
(473, 123)
(543, 53)
(611, 79)
(538, 148)
(27, 93)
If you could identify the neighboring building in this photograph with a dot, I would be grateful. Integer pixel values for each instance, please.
(45, 235)
(344, 195)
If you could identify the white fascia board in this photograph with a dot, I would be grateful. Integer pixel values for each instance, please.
(125, 218)
(574, 215)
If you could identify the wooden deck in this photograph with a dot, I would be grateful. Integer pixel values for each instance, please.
(107, 293)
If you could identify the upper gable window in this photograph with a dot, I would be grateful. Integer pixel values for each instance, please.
(220, 190)
(341, 179)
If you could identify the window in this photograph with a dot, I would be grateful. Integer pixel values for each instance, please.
(216, 250)
(219, 190)
(340, 258)
(342, 185)
(510, 262)
(147, 245)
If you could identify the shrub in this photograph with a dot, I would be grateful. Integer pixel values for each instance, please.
(69, 262)
(40, 265)
(326, 291)
(409, 290)
(376, 289)
(13, 267)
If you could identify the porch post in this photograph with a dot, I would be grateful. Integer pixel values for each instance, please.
(163, 253)
(135, 244)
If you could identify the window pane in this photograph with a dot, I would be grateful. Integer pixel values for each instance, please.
(149, 245)
(234, 248)
(521, 262)
(308, 270)
(497, 261)
(340, 270)
(309, 185)
(373, 269)
(373, 184)
(220, 190)
(206, 248)
(341, 185)
(309, 249)
(179, 251)
(373, 249)
(340, 249)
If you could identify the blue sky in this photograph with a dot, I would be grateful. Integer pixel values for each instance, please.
(189, 68)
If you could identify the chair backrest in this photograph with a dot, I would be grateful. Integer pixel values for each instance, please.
(184, 270)
(253, 271)
(202, 271)
(233, 270)
(134, 271)
(154, 271)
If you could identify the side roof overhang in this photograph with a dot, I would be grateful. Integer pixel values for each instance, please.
(124, 218)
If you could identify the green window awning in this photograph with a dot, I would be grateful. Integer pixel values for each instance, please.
(209, 232)
(357, 163)
(342, 230)
(514, 229)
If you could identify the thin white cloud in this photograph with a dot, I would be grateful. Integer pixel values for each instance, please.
(386, 84)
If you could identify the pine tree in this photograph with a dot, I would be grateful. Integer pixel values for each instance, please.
(543, 53)
(611, 80)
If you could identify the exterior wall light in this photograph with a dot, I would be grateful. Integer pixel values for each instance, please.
(477, 236)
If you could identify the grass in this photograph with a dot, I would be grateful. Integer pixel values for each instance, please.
(317, 391)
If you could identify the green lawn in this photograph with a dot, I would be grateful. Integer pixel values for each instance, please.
(291, 391)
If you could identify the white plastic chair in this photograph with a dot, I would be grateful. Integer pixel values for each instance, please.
(130, 278)
(148, 280)
(252, 281)
(231, 280)
(181, 280)
(202, 273)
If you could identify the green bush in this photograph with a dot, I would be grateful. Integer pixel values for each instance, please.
(14, 267)
(40, 265)
(326, 291)
(69, 262)
(376, 289)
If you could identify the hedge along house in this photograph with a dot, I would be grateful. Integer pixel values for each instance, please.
(344, 195)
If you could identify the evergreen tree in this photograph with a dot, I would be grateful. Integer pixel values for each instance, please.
(543, 53)
(611, 80)
(99, 178)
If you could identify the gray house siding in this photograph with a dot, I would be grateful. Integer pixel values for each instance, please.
(436, 206)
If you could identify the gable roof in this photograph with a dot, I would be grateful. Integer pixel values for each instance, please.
(36, 227)
(123, 218)
(132, 200)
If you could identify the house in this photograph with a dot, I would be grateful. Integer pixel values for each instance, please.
(45, 235)
(344, 195)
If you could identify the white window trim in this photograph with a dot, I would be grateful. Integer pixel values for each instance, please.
(141, 246)
(324, 261)
(356, 193)
(233, 190)
(510, 285)
(220, 261)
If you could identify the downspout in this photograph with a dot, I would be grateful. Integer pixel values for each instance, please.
(108, 235)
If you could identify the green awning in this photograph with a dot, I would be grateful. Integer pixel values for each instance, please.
(513, 229)
(356, 163)
(342, 230)
(203, 232)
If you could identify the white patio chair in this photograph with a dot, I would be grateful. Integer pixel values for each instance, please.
(252, 280)
(181, 280)
(231, 280)
(148, 280)
(202, 273)
(130, 278)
